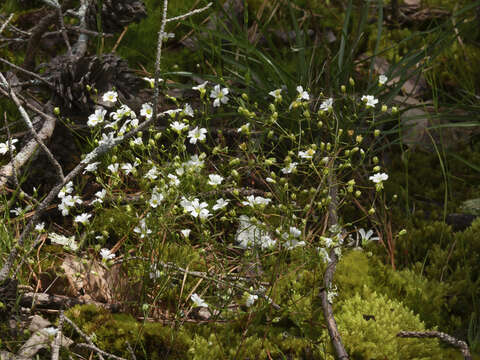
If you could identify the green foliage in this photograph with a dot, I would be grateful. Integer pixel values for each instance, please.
(112, 331)
(375, 338)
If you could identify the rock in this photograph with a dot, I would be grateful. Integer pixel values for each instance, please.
(460, 222)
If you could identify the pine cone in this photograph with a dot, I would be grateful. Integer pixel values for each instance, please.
(116, 14)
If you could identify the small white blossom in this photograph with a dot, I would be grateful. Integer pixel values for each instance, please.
(110, 96)
(152, 174)
(251, 300)
(178, 126)
(289, 168)
(378, 178)
(187, 110)
(292, 244)
(220, 204)
(128, 168)
(142, 229)
(113, 168)
(92, 167)
(197, 300)
(97, 117)
(198, 209)
(174, 181)
(4, 146)
(200, 87)
(276, 94)
(369, 100)
(106, 254)
(244, 128)
(214, 179)
(256, 200)
(138, 141)
(327, 105)
(151, 81)
(100, 195)
(156, 198)
(302, 95)
(83, 218)
(220, 95)
(40, 227)
(197, 134)
(65, 190)
(295, 232)
(146, 111)
(186, 232)
(306, 154)
(382, 79)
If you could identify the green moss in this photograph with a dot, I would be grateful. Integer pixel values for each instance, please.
(369, 322)
(112, 331)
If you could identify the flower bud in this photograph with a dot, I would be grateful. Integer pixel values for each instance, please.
(402, 232)
(371, 211)
(343, 88)
(56, 110)
(376, 133)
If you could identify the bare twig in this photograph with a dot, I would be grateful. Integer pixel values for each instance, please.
(10, 150)
(193, 12)
(58, 338)
(6, 23)
(82, 334)
(448, 339)
(32, 74)
(340, 351)
(161, 35)
(130, 350)
(28, 122)
(100, 351)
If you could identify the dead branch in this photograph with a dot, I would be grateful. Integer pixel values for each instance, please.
(340, 351)
(448, 339)
(28, 122)
(85, 336)
(6, 23)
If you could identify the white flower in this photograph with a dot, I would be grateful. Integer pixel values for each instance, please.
(369, 101)
(100, 195)
(220, 204)
(128, 168)
(64, 241)
(156, 198)
(200, 87)
(306, 154)
(198, 209)
(187, 110)
(152, 174)
(251, 300)
(142, 229)
(364, 237)
(107, 139)
(197, 134)
(68, 202)
(138, 141)
(249, 235)
(4, 146)
(258, 200)
(172, 112)
(292, 244)
(173, 179)
(382, 79)
(289, 168)
(295, 232)
(220, 95)
(83, 218)
(113, 168)
(97, 117)
(178, 126)
(244, 128)
(106, 254)
(197, 300)
(92, 167)
(276, 94)
(195, 163)
(302, 95)
(65, 190)
(214, 179)
(378, 177)
(327, 105)
(151, 81)
(186, 232)
(110, 96)
(40, 227)
(146, 111)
